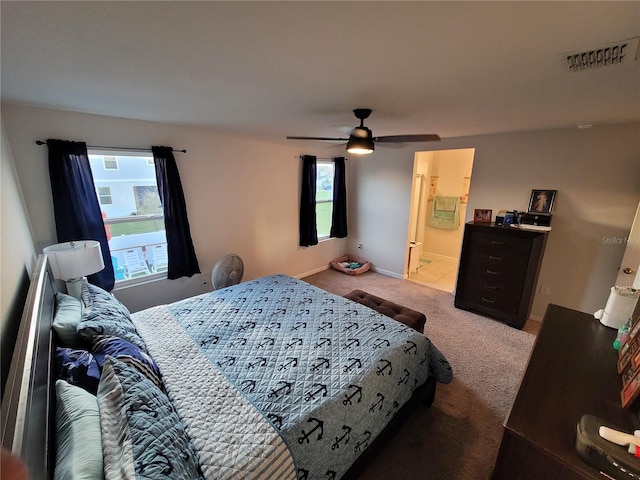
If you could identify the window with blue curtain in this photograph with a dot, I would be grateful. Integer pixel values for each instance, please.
(308, 229)
(182, 255)
(339, 216)
(75, 203)
(323, 200)
(78, 212)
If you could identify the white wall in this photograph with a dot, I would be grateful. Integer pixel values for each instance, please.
(17, 253)
(242, 197)
(242, 193)
(596, 172)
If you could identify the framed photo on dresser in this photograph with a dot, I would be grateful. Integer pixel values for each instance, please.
(542, 201)
(482, 215)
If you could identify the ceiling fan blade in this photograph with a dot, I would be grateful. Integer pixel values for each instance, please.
(330, 139)
(429, 137)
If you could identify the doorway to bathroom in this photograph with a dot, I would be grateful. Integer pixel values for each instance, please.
(440, 190)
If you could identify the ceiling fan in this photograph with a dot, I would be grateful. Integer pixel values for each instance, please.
(361, 139)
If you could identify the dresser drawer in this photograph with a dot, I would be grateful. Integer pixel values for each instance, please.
(506, 303)
(498, 242)
(499, 266)
(494, 286)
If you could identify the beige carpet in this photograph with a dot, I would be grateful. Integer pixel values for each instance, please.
(458, 437)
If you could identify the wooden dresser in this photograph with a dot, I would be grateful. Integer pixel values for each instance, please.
(498, 271)
(571, 372)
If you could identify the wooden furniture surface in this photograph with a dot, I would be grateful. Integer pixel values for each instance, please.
(498, 271)
(571, 372)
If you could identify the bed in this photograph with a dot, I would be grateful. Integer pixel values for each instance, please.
(271, 378)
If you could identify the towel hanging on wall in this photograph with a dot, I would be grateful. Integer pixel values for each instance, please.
(445, 213)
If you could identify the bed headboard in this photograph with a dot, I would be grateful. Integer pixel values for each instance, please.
(28, 402)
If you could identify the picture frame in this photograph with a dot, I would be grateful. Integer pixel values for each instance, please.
(542, 201)
(629, 362)
(626, 352)
(482, 215)
(630, 346)
(630, 391)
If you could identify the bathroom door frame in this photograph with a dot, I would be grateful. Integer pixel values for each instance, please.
(414, 207)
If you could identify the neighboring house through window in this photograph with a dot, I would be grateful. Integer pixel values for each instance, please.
(133, 216)
(324, 198)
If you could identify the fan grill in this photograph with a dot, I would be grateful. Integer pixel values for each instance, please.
(227, 271)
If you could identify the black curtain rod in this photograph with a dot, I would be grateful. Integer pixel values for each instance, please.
(40, 142)
(322, 158)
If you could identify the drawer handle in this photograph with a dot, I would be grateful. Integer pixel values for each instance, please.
(491, 257)
(496, 242)
(492, 287)
(491, 272)
(488, 300)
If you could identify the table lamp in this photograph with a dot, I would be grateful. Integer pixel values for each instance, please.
(70, 261)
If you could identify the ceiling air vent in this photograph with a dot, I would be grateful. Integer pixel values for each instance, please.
(616, 53)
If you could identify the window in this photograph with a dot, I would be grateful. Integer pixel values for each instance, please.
(110, 163)
(132, 213)
(324, 198)
(104, 195)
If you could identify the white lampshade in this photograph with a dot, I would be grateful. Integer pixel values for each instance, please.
(72, 260)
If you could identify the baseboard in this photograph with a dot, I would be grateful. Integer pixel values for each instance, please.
(437, 256)
(373, 269)
(387, 273)
(317, 270)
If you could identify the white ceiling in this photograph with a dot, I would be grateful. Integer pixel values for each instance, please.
(299, 68)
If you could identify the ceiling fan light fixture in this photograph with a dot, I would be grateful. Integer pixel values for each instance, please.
(360, 146)
(360, 141)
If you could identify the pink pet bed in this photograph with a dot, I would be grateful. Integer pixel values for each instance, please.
(350, 264)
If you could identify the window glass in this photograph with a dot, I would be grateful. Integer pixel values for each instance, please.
(324, 198)
(110, 163)
(104, 195)
(132, 213)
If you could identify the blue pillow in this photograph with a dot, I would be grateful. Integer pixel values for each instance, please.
(128, 353)
(142, 433)
(79, 368)
(107, 316)
(103, 303)
(90, 329)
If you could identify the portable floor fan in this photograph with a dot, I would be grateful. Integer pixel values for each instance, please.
(227, 271)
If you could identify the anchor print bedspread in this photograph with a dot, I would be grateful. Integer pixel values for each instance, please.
(325, 372)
